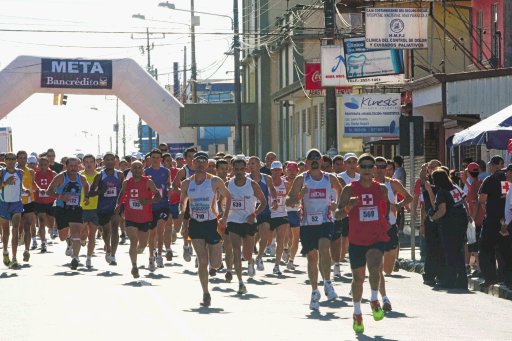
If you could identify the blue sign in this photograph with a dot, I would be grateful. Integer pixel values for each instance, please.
(76, 73)
(361, 62)
(175, 148)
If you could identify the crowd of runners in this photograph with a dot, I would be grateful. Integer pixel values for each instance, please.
(228, 210)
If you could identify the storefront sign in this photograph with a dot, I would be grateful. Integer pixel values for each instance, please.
(313, 84)
(76, 74)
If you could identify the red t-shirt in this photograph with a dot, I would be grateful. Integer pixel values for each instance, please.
(43, 180)
(133, 210)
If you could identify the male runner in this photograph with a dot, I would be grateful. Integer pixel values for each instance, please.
(89, 212)
(292, 170)
(43, 202)
(172, 227)
(279, 216)
(316, 228)
(201, 191)
(27, 198)
(222, 172)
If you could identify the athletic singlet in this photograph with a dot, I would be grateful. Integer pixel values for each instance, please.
(367, 218)
(28, 184)
(392, 201)
(133, 210)
(243, 201)
(110, 186)
(347, 179)
(264, 188)
(202, 199)
(93, 201)
(11, 193)
(73, 189)
(316, 201)
(161, 178)
(293, 208)
(281, 198)
(43, 180)
(175, 197)
(188, 172)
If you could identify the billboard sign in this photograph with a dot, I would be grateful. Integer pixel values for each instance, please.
(76, 73)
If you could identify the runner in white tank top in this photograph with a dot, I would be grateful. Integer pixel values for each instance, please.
(292, 242)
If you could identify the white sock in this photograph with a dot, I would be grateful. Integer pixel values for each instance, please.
(385, 298)
(357, 308)
(327, 282)
(33, 239)
(375, 295)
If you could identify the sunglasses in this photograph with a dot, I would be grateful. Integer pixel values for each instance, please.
(382, 166)
(10, 158)
(315, 158)
(362, 166)
(201, 161)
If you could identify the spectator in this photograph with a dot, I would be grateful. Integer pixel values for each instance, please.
(269, 158)
(483, 170)
(399, 170)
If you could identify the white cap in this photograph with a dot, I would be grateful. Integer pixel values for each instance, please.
(349, 156)
(179, 156)
(276, 165)
(32, 159)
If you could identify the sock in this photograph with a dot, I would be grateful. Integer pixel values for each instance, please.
(385, 298)
(375, 295)
(338, 263)
(357, 308)
(240, 282)
(327, 282)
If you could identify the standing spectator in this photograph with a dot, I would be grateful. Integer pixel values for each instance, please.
(390, 170)
(483, 170)
(492, 194)
(269, 158)
(399, 170)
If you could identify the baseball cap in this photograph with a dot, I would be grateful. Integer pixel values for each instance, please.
(179, 156)
(32, 159)
(276, 165)
(349, 156)
(292, 165)
(496, 159)
(473, 167)
(313, 153)
(201, 156)
(508, 168)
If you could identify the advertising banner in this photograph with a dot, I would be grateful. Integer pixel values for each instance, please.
(396, 28)
(313, 84)
(76, 73)
(333, 70)
(371, 115)
(362, 62)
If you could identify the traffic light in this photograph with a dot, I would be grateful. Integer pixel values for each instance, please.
(63, 99)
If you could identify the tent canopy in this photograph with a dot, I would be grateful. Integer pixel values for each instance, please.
(494, 132)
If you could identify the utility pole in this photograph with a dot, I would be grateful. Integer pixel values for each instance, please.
(331, 127)
(117, 126)
(175, 81)
(238, 100)
(184, 94)
(193, 46)
(124, 135)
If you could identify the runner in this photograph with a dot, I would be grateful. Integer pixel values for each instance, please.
(32, 164)
(242, 218)
(11, 207)
(222, 172)
(172, 227)
(161, 178)
(316, 228)
(263, 219)
(391, 250)
(201, 191)
(54, 166)
(367, 205)
(43, 202)
(292, 170)
(27, 198)
(136, 196)
(67, 187)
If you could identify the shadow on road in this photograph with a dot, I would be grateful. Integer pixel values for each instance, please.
(67, 273)
(216, 280)
(334, 304)
(317, 315)
(342, 279)
(6, 275)
(138, 284)
(260, 282)
(108, 274)
(279, 276)
(396, 314)
(454, 291)
(188, 272)
(295, 272)
(173, 264)
(246, 296)
(362, 337)
(396, 276)
(224, 290)
(206, 310)
(156, 276)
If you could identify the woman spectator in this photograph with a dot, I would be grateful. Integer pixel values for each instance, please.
(451, 214)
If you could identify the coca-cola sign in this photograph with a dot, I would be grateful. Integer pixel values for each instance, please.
(314, 79)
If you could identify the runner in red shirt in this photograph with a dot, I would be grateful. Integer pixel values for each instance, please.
(367, 205)
(137, 195)
(43, 202)
(173, 226)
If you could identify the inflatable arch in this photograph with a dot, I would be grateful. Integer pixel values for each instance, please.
(123, 78)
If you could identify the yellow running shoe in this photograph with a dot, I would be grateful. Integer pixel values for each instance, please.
(7, 261)
(358, 323)
(378, 313)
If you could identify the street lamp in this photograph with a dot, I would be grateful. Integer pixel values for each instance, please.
(236, 54)
(143, 17)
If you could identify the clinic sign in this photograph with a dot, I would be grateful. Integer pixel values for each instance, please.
(371, 115)
(396, 28)
(334, 66)
(76, 73)
(363, 62)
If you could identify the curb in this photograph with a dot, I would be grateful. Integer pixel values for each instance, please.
(475, 284)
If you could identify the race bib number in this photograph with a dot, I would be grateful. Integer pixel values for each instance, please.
(314, 218)
(200, 215)
(238, 204)
(43, 195)
(368, 213)
(135, 204)
(73, 200)
(111, 192)
(280, 201)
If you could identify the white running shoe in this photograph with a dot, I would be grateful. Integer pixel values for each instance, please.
(286, 255)
(336, 270)
(250, 270)
(259, 264)
(267, 251)
(273, 248)
(329, 291)
(160, 261)
(186, 254)
(151, 266)
(314, 304)
(69, 251)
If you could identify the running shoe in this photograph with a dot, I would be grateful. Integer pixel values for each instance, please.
(207, 300)
(212, 272)
(135, 271)
(108, 259)
(241, 289)
(329, 291)
(34, 244)
(26, 256)
(186, 254)
(286, 255)
(74, 263)
(276, 270)
(69, 251)
(113, 261)
(259, 264)
(44, 247)
(250, 269)
(386, 305)
(123, 239)
(290, 265)
(14, 264)
(160, 261)
(88, 263)
(54, 233)
(358, 323)
(377, 312)
(168, 255)
(7, 261)
(314, 304)
(152, 266)
(273, 248)
(228, 276)
(336, 270)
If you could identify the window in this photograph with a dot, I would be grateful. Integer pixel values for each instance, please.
(304, 122)
(480, 33)
(322, 115)
(315, 117)
(309, 121)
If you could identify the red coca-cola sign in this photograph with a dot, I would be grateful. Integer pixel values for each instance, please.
(314, 78)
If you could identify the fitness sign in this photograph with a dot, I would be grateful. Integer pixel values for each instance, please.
(396, 28)
(76, 73)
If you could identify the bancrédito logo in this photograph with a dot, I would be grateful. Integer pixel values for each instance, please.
(396, 25)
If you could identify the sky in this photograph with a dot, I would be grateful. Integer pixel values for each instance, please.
(85, 124)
